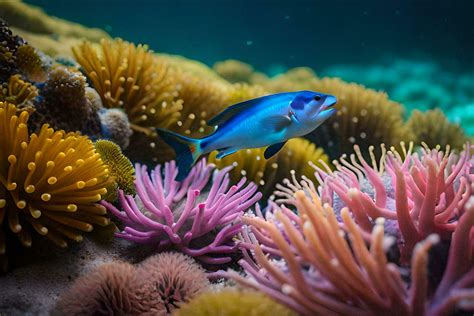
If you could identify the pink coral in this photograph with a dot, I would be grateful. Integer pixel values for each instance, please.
(418, 194)
(317, 265)
(173, 214)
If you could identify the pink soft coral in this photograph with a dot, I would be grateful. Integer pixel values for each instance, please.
(172, 214)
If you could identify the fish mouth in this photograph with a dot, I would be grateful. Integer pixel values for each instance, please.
(328, 109)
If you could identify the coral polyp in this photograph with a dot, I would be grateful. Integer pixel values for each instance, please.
(50, 182)
(176, 215)
(317, 265)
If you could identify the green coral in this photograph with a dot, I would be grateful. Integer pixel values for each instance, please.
(119, 166)
(233, 303)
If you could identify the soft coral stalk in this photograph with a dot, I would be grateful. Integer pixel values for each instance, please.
(177, 215)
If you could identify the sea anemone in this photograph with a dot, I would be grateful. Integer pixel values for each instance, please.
(168, 280)
(50, 182)
(265, 173)
(318, 266)
(230, 302)
(120, 167)
(109, 289)
(418, 194)
(19, 92)
(240, 92)
(171, 214)
(433, 128)
(364, 117)
(130, 77)
(63, 104)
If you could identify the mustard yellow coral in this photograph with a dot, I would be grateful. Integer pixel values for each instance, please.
(128, 76)
(50, 182)
(120, 167)
(433, 128)
(30, 63)
(233, 303)
(364, 117)
(18, 92)
(293, 158)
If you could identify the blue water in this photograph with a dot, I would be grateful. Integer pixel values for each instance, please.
(274, 35)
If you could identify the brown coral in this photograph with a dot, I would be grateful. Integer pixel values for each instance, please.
(50, 182)
(364, 117)
(293, 158)
(433, 128)
(109, 289)
(9, 44)
(64, 105)
(30, 63)
(169, 280)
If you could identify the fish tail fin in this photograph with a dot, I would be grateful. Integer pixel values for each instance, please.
(187, 149)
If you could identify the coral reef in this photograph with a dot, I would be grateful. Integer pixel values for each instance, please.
(306, 262)
(115, 126)
(300, 78)
(64, 105)
(9, 45)
(250, 163)
(433, 128)
(235, 71)
(50, 182)
(418, 194)
(171, 214)
(30, 63)
(168, 280)
(110, 289)
(464, 116)
(120, 168)
(230, 302)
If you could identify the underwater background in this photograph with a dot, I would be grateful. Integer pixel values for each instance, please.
(370, 213)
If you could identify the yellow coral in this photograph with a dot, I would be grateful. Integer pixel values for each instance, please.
(121, 169)
(50, 182)
(240, 92)
(233, 303)
(129, 77)
(433, 128)
(364, 117)
(293, 158)
(18, 92)
(30, 64)
(300, 78)
(234, 71)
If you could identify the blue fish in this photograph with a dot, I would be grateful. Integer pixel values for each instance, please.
(266, 121)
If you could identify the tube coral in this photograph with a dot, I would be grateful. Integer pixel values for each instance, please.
(433, 128)
(306, 262)
(110, 289)
(172, 214)
(233, 303)
(167, 281)
(50, 182)
(418, 195)
(293, 157)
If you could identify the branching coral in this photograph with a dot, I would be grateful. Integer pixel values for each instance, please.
(318, 266)
(168, 280)
(433, 128)
(171, 214)
(364, 117)
(267, 173)
(50, 182)
(233, 303)
(120, 167)
(110, 289)
(18, 92)
(419, 194)
(63, 104)
(130, 77)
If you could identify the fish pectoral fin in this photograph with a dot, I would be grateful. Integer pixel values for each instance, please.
(273, 149)
(277, 123)
(225, 152)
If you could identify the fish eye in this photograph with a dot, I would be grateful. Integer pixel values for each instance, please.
(317, 98)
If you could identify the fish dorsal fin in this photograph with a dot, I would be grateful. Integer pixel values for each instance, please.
(233, 110)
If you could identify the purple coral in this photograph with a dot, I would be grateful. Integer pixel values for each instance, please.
(172, 214)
